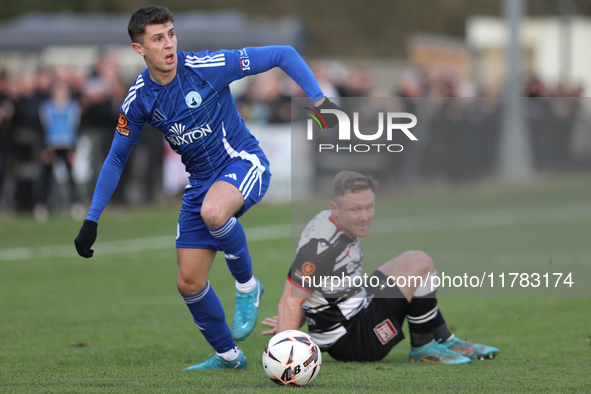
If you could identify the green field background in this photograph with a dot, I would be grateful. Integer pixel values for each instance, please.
(115, 323)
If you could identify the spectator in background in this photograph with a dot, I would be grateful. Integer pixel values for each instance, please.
(101, 94)
(26, 140)
(324, 79)
(60, 119)
(412, 87)
(358, 83)
(6, 115)
(43, 83)
(265, 101)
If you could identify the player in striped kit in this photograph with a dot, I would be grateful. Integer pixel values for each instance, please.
(186, 96)
(359, 318)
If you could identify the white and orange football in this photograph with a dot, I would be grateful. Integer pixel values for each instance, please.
(292, 358)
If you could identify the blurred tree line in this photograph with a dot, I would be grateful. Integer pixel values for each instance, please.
(377, 28)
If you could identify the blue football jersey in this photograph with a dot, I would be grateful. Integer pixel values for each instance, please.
(195, 111)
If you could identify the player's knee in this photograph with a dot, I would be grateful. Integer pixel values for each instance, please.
(421, 262)
(189, 287)
(213, 216)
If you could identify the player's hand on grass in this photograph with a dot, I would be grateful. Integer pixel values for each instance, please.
(270, 322)
(331, 119)
(86, 238)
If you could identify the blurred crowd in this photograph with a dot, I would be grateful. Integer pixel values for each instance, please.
(460, 120)
(56, 126)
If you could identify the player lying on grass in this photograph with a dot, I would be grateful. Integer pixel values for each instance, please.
(352, 322)
(186, 95)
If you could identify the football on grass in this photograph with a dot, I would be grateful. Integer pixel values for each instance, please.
(292, 358)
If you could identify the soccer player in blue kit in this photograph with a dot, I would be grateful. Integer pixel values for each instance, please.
(186, 96)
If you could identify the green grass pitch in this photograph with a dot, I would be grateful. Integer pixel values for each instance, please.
(115, 323)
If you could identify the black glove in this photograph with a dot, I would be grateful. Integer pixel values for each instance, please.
(331, 119)
(86, 238)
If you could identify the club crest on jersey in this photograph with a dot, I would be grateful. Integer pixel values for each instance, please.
(178, 136)
(193, 99)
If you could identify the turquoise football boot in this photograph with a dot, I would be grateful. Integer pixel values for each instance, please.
(471, 350)
(246, 312)
(435, 353)
(216, 362)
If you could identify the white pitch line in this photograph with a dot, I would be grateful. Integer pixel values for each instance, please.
(470, 221)
(254, 234)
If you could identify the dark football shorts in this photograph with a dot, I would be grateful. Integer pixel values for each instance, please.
(375, 330)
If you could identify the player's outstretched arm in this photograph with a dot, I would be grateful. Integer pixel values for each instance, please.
(289, 60)
(291, 314)
(105, 186)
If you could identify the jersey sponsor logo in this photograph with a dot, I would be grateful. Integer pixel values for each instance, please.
(193, 99)
(177, 128)
(123, 125)
(244, 64)
(233, 176)
(385, 331)
(181, 137)
(244, 60)
(308, 268)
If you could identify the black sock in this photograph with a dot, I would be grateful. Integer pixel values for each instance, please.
(441, 332)
(423, 316)
(418, 340)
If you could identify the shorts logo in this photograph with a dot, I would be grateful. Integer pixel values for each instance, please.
(385, 331)
(122, 125)
(193, 99)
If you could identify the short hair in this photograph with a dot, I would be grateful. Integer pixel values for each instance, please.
(149, 15)
(350, 181)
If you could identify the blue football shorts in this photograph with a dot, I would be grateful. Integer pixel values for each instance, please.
(252, 179)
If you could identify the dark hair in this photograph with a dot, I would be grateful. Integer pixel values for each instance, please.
(349, 181)
(149, 15)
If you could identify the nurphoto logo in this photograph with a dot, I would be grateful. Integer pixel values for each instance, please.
(346, 129)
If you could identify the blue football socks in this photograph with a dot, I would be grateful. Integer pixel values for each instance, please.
(208, 315)
(233, 242)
